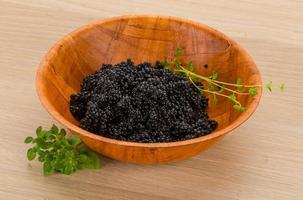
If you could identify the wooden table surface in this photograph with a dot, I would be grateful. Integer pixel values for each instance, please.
(263, 159)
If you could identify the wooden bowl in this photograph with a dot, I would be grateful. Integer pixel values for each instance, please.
(144, 38)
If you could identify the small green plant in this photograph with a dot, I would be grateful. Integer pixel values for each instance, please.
(215, 87)
(60, 154)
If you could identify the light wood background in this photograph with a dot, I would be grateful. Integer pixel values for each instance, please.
(263, 159)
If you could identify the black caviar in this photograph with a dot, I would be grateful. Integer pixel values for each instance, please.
(141, 103)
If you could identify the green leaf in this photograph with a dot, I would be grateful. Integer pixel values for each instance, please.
(178, 52)
(282, 87)
(31, 154)
(165, 63)
(47, 168)
(57, 144)
(92, 161)
(83, 158)
(211, 87)
(41, 159)
(252, 91)
(182, 73)
(59, 165)
(41, 153)
(42, 156)
(239, 107)
(74, 140)
(242, 109)
(49, 157)
(232, 97)
(54, 129)
(50, 136)
(269, 86)
(239, 85)
(66, 144)
(238, 82)
(69, 169)
(62, 132)
(177, 64)
(39, 132)
(42, 143)
(69, 154)
(28, 139)
(214, 75)
(191, 66)
(195, 79)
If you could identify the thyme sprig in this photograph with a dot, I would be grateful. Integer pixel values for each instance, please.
(231, 91)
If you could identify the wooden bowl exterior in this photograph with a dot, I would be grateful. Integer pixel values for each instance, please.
(144, 38)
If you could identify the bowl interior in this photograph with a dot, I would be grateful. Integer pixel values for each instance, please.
(143, 38)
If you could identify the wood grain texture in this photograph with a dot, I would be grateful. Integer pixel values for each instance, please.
(145, 38)
(260, 160)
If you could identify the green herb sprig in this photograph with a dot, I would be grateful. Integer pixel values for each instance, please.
(60, 154)
(231, 91)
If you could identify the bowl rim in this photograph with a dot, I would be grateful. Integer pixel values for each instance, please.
(81, 132)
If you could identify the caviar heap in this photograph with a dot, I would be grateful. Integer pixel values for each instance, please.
(141, 103)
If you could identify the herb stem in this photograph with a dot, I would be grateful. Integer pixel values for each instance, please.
(209, 81)
(212, 92)
(200, 89)
(236, 85)
(216, 82)
(223, 95)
